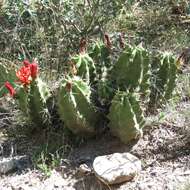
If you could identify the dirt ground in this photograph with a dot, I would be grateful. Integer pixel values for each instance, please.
(164, 151)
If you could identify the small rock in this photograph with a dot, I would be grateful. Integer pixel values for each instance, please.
(116, 168)
(7, 165)
(84, 169)
(13, 163)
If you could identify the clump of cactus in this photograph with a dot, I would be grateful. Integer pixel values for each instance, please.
(126, 116)
(164, 74)
(31, 93)
(99, 87)
(75, 106)
(123, 89)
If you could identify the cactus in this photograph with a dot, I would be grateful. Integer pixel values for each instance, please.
(126, 117)
(164, 74)
(101, 53)
(22, 98)
(132, 69)
(37, 102)
(32, 101)
(75, 107)
(85, 67)
(7, 73)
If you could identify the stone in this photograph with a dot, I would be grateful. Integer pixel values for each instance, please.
(14, 163)
(84, 169)
(7, 165)
(116, 168)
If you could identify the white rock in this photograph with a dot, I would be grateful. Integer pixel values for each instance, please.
(116, 168)
(7, 165)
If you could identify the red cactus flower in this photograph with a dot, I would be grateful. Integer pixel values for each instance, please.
(26, 63)
(9, 87)
(33, 70)
(24, 75)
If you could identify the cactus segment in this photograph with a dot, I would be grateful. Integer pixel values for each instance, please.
(164, 74)
(131, 71)
(126, 118)
(7, 73)
(75, 107)
(100, 53)
(22, 98)
(36, 99)
(85, 67)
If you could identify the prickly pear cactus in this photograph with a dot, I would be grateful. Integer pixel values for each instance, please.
(126, 117)
(75, 107)
(85, 67)
(132, 70)
(164, 74)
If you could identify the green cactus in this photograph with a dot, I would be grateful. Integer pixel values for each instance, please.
(85, 67)
(32, 101)
(37, 102)
(75, 107)
(7, 73)
(164, 74)
(22, 98)
(102, 56)
(132, 70)
(126, 117)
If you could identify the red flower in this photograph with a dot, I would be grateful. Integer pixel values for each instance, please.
(33, 70)
(9, 87)
(26, 63)
(24, 75)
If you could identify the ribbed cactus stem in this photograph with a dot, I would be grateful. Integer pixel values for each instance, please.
(126, 117)
(35, 101)
(75, 107)
(85, 67)
(132, 70)
(164, 74)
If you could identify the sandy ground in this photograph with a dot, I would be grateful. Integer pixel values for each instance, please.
(164, 151)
